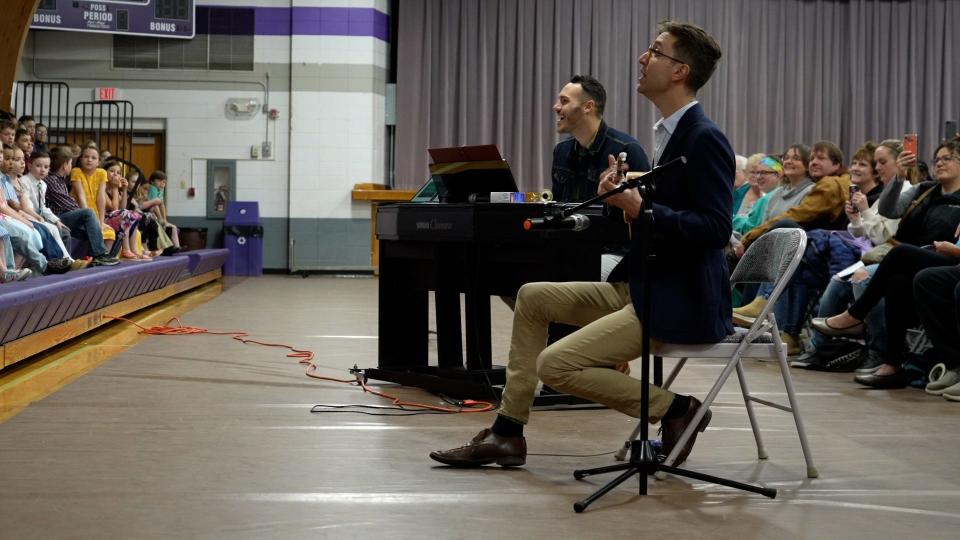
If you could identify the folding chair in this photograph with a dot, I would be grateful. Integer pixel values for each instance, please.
(772, 258)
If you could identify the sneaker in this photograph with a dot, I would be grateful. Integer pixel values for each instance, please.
(951, 393)
(15, 275)
(847, 362)
(808, 360)
(104, 260)
(871, 361)
(58, 266)
(949, 378)
(745, 316)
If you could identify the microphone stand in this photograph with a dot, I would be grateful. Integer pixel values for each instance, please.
(643, 460)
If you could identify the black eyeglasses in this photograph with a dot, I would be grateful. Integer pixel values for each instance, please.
(946, 159)
(657, 52)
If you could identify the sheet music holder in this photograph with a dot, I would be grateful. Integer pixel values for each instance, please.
(461, 171)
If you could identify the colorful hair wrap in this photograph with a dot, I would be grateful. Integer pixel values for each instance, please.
(772, 162)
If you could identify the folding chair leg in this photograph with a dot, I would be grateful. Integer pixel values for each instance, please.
(761, 450)
(707, 402)
(791, 395)
(673, 373)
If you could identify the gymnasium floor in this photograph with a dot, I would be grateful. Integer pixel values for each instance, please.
(205, 437)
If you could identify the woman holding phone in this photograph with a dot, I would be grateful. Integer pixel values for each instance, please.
(930, 215)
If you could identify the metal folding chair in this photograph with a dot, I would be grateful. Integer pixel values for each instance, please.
(772, 258)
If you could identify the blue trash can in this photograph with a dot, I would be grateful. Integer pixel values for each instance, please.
(243, 236)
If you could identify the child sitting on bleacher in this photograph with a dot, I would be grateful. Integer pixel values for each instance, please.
(89, 183)
(24, 141)
(154, 203)
(40, 137)
(8, 132)
(8, 269)
(28, 123)
(118, 217)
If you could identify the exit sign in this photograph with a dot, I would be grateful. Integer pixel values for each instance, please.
(107, 93)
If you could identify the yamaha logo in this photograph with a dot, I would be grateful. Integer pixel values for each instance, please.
(434, 225)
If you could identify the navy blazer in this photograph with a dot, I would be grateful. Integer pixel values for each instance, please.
(691, 223)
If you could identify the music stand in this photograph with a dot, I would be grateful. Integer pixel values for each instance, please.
(470, 173)
(643, 460)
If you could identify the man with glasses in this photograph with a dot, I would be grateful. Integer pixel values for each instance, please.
(691, 293)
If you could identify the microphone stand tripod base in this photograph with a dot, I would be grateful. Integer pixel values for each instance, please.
(644, 462)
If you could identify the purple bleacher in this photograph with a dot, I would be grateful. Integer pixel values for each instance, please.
(204, 260)
(39, 303)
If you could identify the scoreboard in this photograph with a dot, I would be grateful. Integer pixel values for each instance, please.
(157, 18)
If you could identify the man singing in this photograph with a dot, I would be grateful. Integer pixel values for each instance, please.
(579, 160)
(690, 289)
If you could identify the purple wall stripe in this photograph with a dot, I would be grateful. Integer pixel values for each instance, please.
(322, 21)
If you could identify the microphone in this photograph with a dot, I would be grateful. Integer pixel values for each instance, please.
(576, 222)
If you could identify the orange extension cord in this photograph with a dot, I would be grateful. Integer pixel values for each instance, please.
(305, 358)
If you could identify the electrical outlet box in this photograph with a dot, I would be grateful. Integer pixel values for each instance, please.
(267, 149)
(255, 151)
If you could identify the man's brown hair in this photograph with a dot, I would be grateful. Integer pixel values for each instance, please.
(696, 48)
(832, 150)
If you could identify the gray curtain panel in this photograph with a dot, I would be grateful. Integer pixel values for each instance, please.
(488, 71)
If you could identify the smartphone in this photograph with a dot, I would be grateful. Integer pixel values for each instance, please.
(854, 189)
(910, 143)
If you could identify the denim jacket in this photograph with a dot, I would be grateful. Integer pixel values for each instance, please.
(576, 170)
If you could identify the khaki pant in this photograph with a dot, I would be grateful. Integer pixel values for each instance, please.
(581, 363)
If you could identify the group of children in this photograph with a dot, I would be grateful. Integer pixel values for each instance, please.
(47, 201)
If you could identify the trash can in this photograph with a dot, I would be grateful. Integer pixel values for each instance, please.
(243, 236)
(193, 238)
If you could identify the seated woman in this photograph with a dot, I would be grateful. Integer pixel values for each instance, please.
(117, 215)
(765, 176)
(939, 204)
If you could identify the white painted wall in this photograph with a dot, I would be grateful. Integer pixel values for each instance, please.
(323, 142)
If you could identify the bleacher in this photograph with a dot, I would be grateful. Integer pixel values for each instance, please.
(40, 313)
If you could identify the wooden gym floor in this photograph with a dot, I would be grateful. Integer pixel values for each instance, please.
(121, 436)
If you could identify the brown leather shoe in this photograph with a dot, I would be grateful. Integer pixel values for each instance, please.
(486, 448)
(673, 428)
